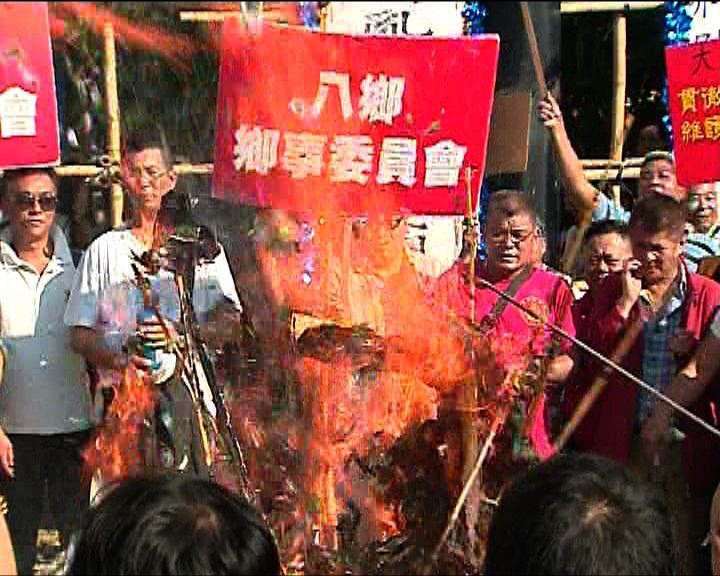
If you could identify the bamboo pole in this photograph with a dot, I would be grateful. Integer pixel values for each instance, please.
(209, 15)
(627, 163)
(113, 111)
(585, 7)
(593, 169)
(611, 174)
(619, 83)
(470, 441)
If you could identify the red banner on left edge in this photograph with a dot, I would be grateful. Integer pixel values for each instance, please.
(29, 134)
(309, 121)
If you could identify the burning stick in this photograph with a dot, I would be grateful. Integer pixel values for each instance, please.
(497, 424)
(469, 434)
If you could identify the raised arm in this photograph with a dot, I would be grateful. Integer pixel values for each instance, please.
(580, 193)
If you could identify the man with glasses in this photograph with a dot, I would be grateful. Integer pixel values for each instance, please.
(106, 305)
(511, 237)
(45, 405)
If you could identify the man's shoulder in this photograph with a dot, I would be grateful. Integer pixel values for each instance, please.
(107, 240)
(704, 285)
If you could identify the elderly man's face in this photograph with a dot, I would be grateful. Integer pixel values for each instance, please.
(702, 204)
(511, 241)
(658, 177)
(148, 178)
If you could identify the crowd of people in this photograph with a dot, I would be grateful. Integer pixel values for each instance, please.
(70, 329)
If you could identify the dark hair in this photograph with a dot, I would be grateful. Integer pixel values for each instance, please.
(603, 227)
(149, 137)
(659, 213)
(511, 203)
(11, 176)
(580, 514)
(172, 524)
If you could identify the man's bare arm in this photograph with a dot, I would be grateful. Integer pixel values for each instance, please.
(580, 193)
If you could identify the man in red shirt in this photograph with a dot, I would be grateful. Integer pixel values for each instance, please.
(674, 309)
(516, 338)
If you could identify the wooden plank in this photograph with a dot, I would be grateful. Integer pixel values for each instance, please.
(509, 139)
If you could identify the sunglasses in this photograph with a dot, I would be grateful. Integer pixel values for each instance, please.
(26, 201)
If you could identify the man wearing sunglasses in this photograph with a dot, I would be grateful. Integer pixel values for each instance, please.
(45, 405)
(106, 306)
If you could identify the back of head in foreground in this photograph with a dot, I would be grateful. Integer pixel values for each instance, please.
(580, 514)
(174, 524)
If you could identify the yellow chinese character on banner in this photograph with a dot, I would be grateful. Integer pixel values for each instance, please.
(687, 98)
(691, 132)
(712, 127)
(711, 97)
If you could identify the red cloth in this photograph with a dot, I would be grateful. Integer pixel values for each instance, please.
(517, 336)
(608, 427)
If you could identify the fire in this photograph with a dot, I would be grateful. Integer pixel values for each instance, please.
(117, 449)
(174, 47)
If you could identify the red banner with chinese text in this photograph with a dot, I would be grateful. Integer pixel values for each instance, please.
(693, 72)
(29, 134)
(305, 116)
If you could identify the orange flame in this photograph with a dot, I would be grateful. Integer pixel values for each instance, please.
(174, 47)
(117, 449)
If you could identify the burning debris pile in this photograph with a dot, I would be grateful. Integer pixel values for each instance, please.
(359, 460)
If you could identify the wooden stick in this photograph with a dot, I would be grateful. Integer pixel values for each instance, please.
(469, 401)
(498, 422)
(588, 400)
(534, 50)
(113, 111)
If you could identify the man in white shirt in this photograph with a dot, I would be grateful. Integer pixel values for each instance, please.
(45, 407)
(105, 300)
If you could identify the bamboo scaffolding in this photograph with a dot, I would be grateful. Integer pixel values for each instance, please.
(586, 7)
(617, 131)
(594, 169)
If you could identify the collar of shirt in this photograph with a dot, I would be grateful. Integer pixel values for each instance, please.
(61, 252)
(675, 301)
